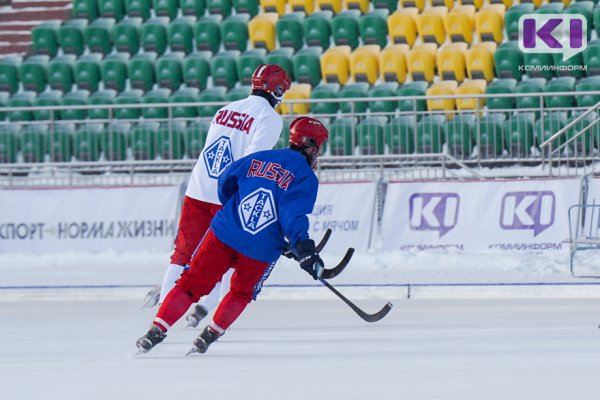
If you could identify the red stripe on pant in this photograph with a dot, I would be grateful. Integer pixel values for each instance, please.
(211, 261)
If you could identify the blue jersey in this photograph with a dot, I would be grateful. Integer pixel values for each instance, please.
(266, 198)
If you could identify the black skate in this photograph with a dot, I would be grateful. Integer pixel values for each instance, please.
(195, 317)
(201, 343)
(154, 336)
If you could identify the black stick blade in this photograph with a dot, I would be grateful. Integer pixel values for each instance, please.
(379, 314)
(335, 271)
(324, 240)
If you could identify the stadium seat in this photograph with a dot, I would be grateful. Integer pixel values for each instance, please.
(589, 84)
(390, 5)
(9, 74)
(400, 135)
(3, 103)
(298, 91)
(247, 64)
(451, 61)
(126, 35)
(87, 72)
(180, 35)
(142, 140)
(60, 141)
(273, 6)
(533, 85)
(480, 61)
(369, 135)
(335, 65)
(207, 33)
(489, 135)
(344, 28)
(459, 135)
(75, 98)
(114, 71)
(430, 24)
(591, 57)
(562, 84)
(196, 69)
(442, 3)
(47, 99)
(518, 134)
(430, 134)
(195, 138)
(341, 137)
(532, 60)
(550, 8)
(33, 73)
(489, 23)
(507, 59)
(138, 8)
(283, 58)
(421, 62)
(44, 38)
(101, 98)
(460, 23)
(21, 99)
(548, 125)
(479, 3)
(475, 87)
(402, 26)
(307, 66)
(418, 4)
(325, 91)
(111, 9)
(334, 6)
(141, 71)
(86, 142)
(442, 88)
(306, 6)
(113, 141)
(33, 142)
(361, 5)
(166, 8)
(289, 30)
(222, 7)
(373, 27)
(596, 18)
(234, 32)
(169, 71)
(317, 29)
(354, 90)
(211, 95)
(71, 36)
(238, 93)
(364, 63)
(192, 8)
(131, 96)
(388, 89)
(501, 86)
(170, 139)
(98, 35)
(60, 72)
(588, 133)
(153, 34)
(223, 68)
(87, 9)
(184, 95)
(392, 63)
(262, 31)
(9, 143)
(406, 93)
(249, 7)
(512, 16)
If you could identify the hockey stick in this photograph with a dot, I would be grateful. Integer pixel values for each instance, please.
(335, 271)
(324, 240)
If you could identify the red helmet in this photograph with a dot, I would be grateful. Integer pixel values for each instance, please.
(272, 79)
(307, 132)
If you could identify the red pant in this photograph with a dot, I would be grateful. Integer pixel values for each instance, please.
(211, 261)
(193, 224)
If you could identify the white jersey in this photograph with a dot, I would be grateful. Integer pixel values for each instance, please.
(240, 128)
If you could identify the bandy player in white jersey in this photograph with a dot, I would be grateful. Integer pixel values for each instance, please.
(237, 129)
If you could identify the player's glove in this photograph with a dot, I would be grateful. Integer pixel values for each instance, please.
(309, 258)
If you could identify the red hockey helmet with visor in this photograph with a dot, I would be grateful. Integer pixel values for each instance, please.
(308, 134)
(272, 79)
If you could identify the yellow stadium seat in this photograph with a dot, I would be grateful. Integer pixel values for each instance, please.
(477, 87)
(276, 6)
(480, 61)
(392, 63)
(507, 3)
(459, 23)
(420, 4)
(442, 3)
(478, 3)
(442, 88)
(489, 23)
(335, 64)
(450, 60)
(333, 5)
(402, 26)
(362, 5)
(421, 62)
(308, 6)
(430, 25)
(261, 30)
(298, 91)
(364, 63)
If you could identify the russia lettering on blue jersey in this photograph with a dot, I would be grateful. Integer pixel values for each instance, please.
(272, 171)
(233, 119)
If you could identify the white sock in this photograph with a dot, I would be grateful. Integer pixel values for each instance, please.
(173, 273)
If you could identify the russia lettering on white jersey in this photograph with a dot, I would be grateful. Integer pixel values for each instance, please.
(238, 129)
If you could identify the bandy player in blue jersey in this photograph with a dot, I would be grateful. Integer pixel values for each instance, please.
(266, 199)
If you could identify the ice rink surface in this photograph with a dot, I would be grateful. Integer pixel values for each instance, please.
(308, 349)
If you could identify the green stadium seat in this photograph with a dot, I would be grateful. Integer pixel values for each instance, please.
(223, 68)
(283, 58)
(511, 19)
(359, 5)
(596, 19)
(131, 96)
(234, 32)
(247, 64)
(138, 8)
(181, 35)
(114, 71)
(211, 95)
(21, 99)
(534, 85)
(169, 71)
(373, 27)
(101, 98)
(207, 33)
(238, 93)
(74, 98)
(501, 86)
(538, 59)
(196, 69)
(345, 29)
(289, 30)
(431, 134)
(519, 134)
(193, 8)
(325, 91)
(143, 140)
(507, 59)
(387, 89)
(71, 36)
(548, 125)
(307, 66)
(170, 139)
(60, 72)
(34, 143)
(87, 72)
(459, 135)
(341, 137)
(33, 73)
(86, 142)
(141, 71)
(562, 84)
(87, 9)
(317, 29)
(591, 57)
(195, 138)
(352, 90)
(184, 95)
(284, 137)
(47, 99)
(369, 135)
(9, 143)
(113, 141)
(400, 134)
(3, 103)
(112, 9)
(246, 7)
(490, 135)
(153, 35)
(98, 35)
(221, 7)
(390, 5)
(60, 141)
(589, 84)
(126, 35)
(166, 8)
(156, 96)
(411, 89)
(550, 8)
(9, 73)
(587, 140)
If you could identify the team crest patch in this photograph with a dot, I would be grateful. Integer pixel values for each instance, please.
(257, 211)
(218, 156)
